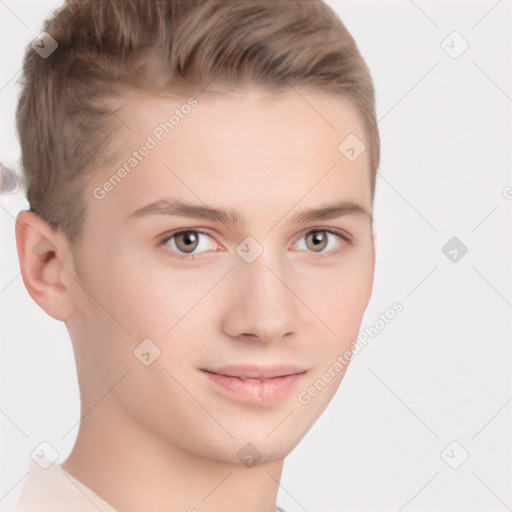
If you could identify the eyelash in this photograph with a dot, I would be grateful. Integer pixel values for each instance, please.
(192, 257)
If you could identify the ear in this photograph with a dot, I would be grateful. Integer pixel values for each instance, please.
(41, 254)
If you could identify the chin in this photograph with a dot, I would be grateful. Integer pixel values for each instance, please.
(248, 449)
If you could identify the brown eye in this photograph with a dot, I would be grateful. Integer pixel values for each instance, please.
(186, 241)
(316, 240)
(188, 244)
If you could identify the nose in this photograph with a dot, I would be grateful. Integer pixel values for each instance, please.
(261, 304)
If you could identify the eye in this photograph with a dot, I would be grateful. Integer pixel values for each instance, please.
(318, 239)
(184, 242)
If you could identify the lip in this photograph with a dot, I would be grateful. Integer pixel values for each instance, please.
(255, 384)
(257, 372)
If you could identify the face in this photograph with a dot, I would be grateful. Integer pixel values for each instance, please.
(232, 302)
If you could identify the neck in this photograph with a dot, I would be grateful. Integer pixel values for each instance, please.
(135, 469)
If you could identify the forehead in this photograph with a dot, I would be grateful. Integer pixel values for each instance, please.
(248, 148)
(301, 117)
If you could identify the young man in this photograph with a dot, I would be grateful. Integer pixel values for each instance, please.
(201, 176)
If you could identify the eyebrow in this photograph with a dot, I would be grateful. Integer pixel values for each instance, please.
(230, 216)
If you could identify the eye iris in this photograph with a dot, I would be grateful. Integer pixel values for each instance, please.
(190, 238)
(319, 240)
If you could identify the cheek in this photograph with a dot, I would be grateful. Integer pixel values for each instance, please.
(146, 294)
(167, 305)
(161, 298)
(340, 291)
(339, 298)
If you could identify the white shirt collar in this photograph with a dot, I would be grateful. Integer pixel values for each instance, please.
(55, 490)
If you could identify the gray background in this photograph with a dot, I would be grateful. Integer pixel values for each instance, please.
(440, 371)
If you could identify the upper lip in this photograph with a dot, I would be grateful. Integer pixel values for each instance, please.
(257, 372)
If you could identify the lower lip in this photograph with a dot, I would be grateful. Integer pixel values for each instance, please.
(255, 390)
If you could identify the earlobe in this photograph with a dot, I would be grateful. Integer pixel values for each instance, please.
(41, 252)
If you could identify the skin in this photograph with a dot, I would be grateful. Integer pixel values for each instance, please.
(162, 437)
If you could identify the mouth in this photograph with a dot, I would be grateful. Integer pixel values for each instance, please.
(255, 384)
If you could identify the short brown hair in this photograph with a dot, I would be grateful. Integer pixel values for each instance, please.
(106, 47)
